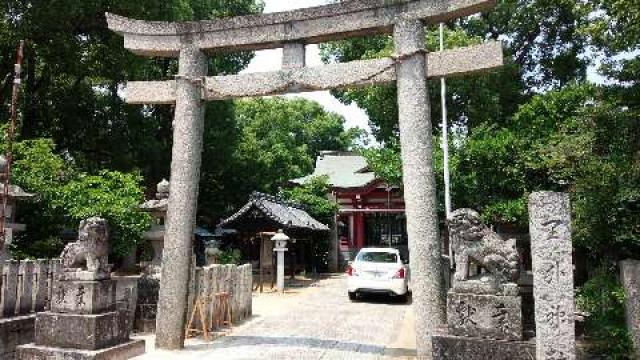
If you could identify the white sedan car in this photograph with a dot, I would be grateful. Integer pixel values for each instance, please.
(378, 270)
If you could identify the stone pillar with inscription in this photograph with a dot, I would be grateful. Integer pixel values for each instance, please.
(551, 253)
(84, 322)
(484, 311)
(630, 276)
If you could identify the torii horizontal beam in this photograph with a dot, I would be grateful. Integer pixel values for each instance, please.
(449, 63)
(309, 26)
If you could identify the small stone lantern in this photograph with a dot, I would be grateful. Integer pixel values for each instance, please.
(280, 246)
(158, 209)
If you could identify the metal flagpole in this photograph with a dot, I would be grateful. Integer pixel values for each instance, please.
(445, 146)
(445, 134)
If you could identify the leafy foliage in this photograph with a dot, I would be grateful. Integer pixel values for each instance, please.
(230, 256)
(473, 99)
(112, 195)
(602, 298)
(66, 196)
(313, 194)
(280, 139)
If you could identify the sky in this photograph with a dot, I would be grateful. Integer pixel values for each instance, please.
(270, 60)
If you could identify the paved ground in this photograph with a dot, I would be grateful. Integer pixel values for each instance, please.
(313, 323)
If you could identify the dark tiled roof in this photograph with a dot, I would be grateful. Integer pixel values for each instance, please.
(286, 214)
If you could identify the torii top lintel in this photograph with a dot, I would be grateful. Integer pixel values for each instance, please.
(311, 25)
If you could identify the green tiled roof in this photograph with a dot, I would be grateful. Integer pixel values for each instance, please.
(345, 170)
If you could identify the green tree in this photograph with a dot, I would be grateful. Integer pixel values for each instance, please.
(65, 196)
(313, 195)
(75, 69)
(280, 140)
(473, 100)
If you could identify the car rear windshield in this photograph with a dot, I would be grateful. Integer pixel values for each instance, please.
(378, 257)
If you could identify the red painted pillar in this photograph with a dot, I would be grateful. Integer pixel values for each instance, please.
(360, 234)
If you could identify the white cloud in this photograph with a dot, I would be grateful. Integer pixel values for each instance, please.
(271, 60)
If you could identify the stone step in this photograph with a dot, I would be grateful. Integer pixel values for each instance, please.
(123, 351)
(87, 332)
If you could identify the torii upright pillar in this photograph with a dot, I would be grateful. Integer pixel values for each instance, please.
(419, 182)
(186, 157)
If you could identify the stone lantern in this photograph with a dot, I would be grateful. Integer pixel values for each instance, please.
(14, 195)
(157, 208)
(280, 246)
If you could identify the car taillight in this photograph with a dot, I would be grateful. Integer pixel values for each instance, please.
(399, 274)
(351, 271)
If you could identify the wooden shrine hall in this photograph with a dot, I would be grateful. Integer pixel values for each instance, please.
(260, 219)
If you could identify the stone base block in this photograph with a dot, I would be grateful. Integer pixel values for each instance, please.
(446, 347)
(15, 331)
(484, 316)
(87, 332)
(85, 275)
(84, 297)
(119, 352)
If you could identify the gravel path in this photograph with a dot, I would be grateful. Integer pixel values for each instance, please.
(315, 323)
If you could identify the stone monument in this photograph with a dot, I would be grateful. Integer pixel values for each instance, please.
(84, 322)
(410, 66)
(630, 276)
(551, 255)
(484, 311)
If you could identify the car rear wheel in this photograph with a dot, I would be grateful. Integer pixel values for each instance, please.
(353, 296)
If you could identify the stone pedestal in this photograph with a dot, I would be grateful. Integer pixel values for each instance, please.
(84, 297)
(495, 317)
(15, 331)
(482, 327)
(83, 324)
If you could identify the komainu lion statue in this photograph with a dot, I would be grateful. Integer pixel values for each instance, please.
(90, 252)
(473, 241)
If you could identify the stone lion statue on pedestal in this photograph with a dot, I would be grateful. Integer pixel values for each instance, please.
(90, 252)
(474, 242)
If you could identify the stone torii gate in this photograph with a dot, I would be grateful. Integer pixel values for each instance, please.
(410, 67)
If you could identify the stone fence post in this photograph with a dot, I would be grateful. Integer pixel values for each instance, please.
(630, 277)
